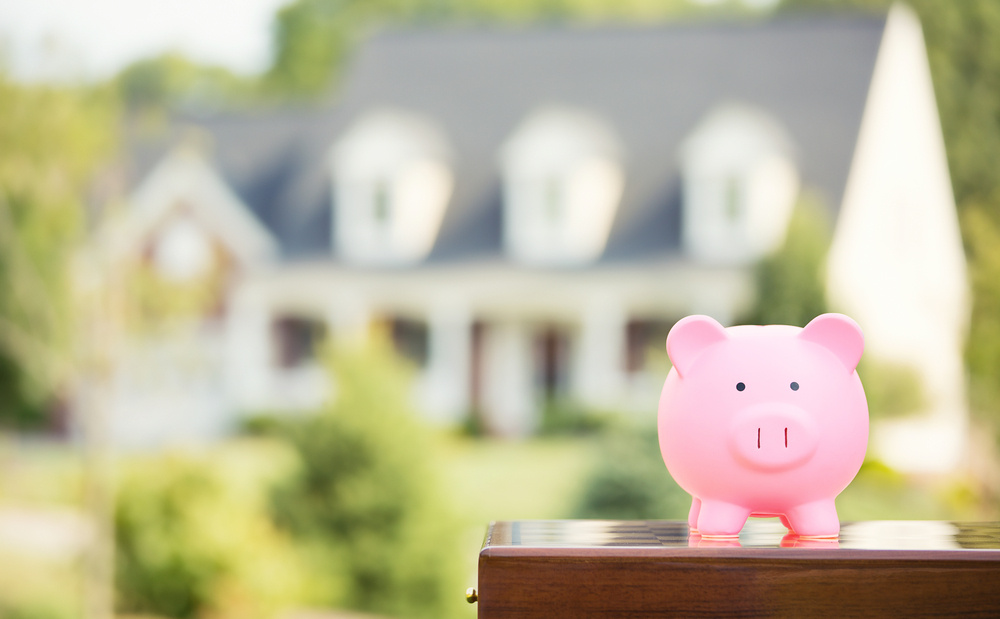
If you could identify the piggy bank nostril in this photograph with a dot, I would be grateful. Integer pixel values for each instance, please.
(784, 437)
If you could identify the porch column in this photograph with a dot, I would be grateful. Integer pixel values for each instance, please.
(445, 387)
(508, 398)
(248, 351)
(600, 367)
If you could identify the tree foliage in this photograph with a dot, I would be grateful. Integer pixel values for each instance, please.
(629, 481)
(365, 498)
(982, 237)
(194, 537)
(52, 141)
(893, 389)
(172, 81)
(338, 509)
(790, 287)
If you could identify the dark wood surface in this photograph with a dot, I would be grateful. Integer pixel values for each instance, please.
(657, 569)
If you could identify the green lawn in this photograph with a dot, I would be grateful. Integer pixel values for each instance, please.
(40, 473)
(542, 478)
(483, 480)
(38, 587)
(510, 480)
(40, 580)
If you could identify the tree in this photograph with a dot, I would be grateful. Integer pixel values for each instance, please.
(629, 480)
(982, 236)
(194, 537)
(53, 140)
(790, 288)
(172, 81)
(365, 498)
(313, 37)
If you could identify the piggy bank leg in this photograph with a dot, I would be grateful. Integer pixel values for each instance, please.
(816, 519)
(720, 519)
(784, 521)
(693, 514)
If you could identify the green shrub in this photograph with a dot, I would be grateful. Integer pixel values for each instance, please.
(365, 498)
(564, 418)
(194, 537)
(338, 509)
(893, 389)
(629, 480)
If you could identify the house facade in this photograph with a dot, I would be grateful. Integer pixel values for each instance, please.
(527, 212)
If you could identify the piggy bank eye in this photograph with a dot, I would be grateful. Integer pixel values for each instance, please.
(794, 386)
(740, 386)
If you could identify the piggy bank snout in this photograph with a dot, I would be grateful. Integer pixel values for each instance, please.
(773, 436)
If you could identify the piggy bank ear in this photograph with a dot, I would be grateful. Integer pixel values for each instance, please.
(838, 334)
(689, 338)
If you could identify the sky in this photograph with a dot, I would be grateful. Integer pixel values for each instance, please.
(74, 40)
(87, 40)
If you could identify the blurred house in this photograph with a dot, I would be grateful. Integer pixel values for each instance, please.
(527, 211)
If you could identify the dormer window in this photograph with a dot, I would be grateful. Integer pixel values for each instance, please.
(734, 201)
(739, 186)
(562, 182)
(382, 203)
(392, 184)
(553, 201)
(183, 251)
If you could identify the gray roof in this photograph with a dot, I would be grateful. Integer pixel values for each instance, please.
(651, 85)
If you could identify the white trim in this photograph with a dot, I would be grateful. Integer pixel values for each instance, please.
(185, 175)
(443, 387)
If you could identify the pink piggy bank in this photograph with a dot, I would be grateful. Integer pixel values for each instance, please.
(764, 421)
